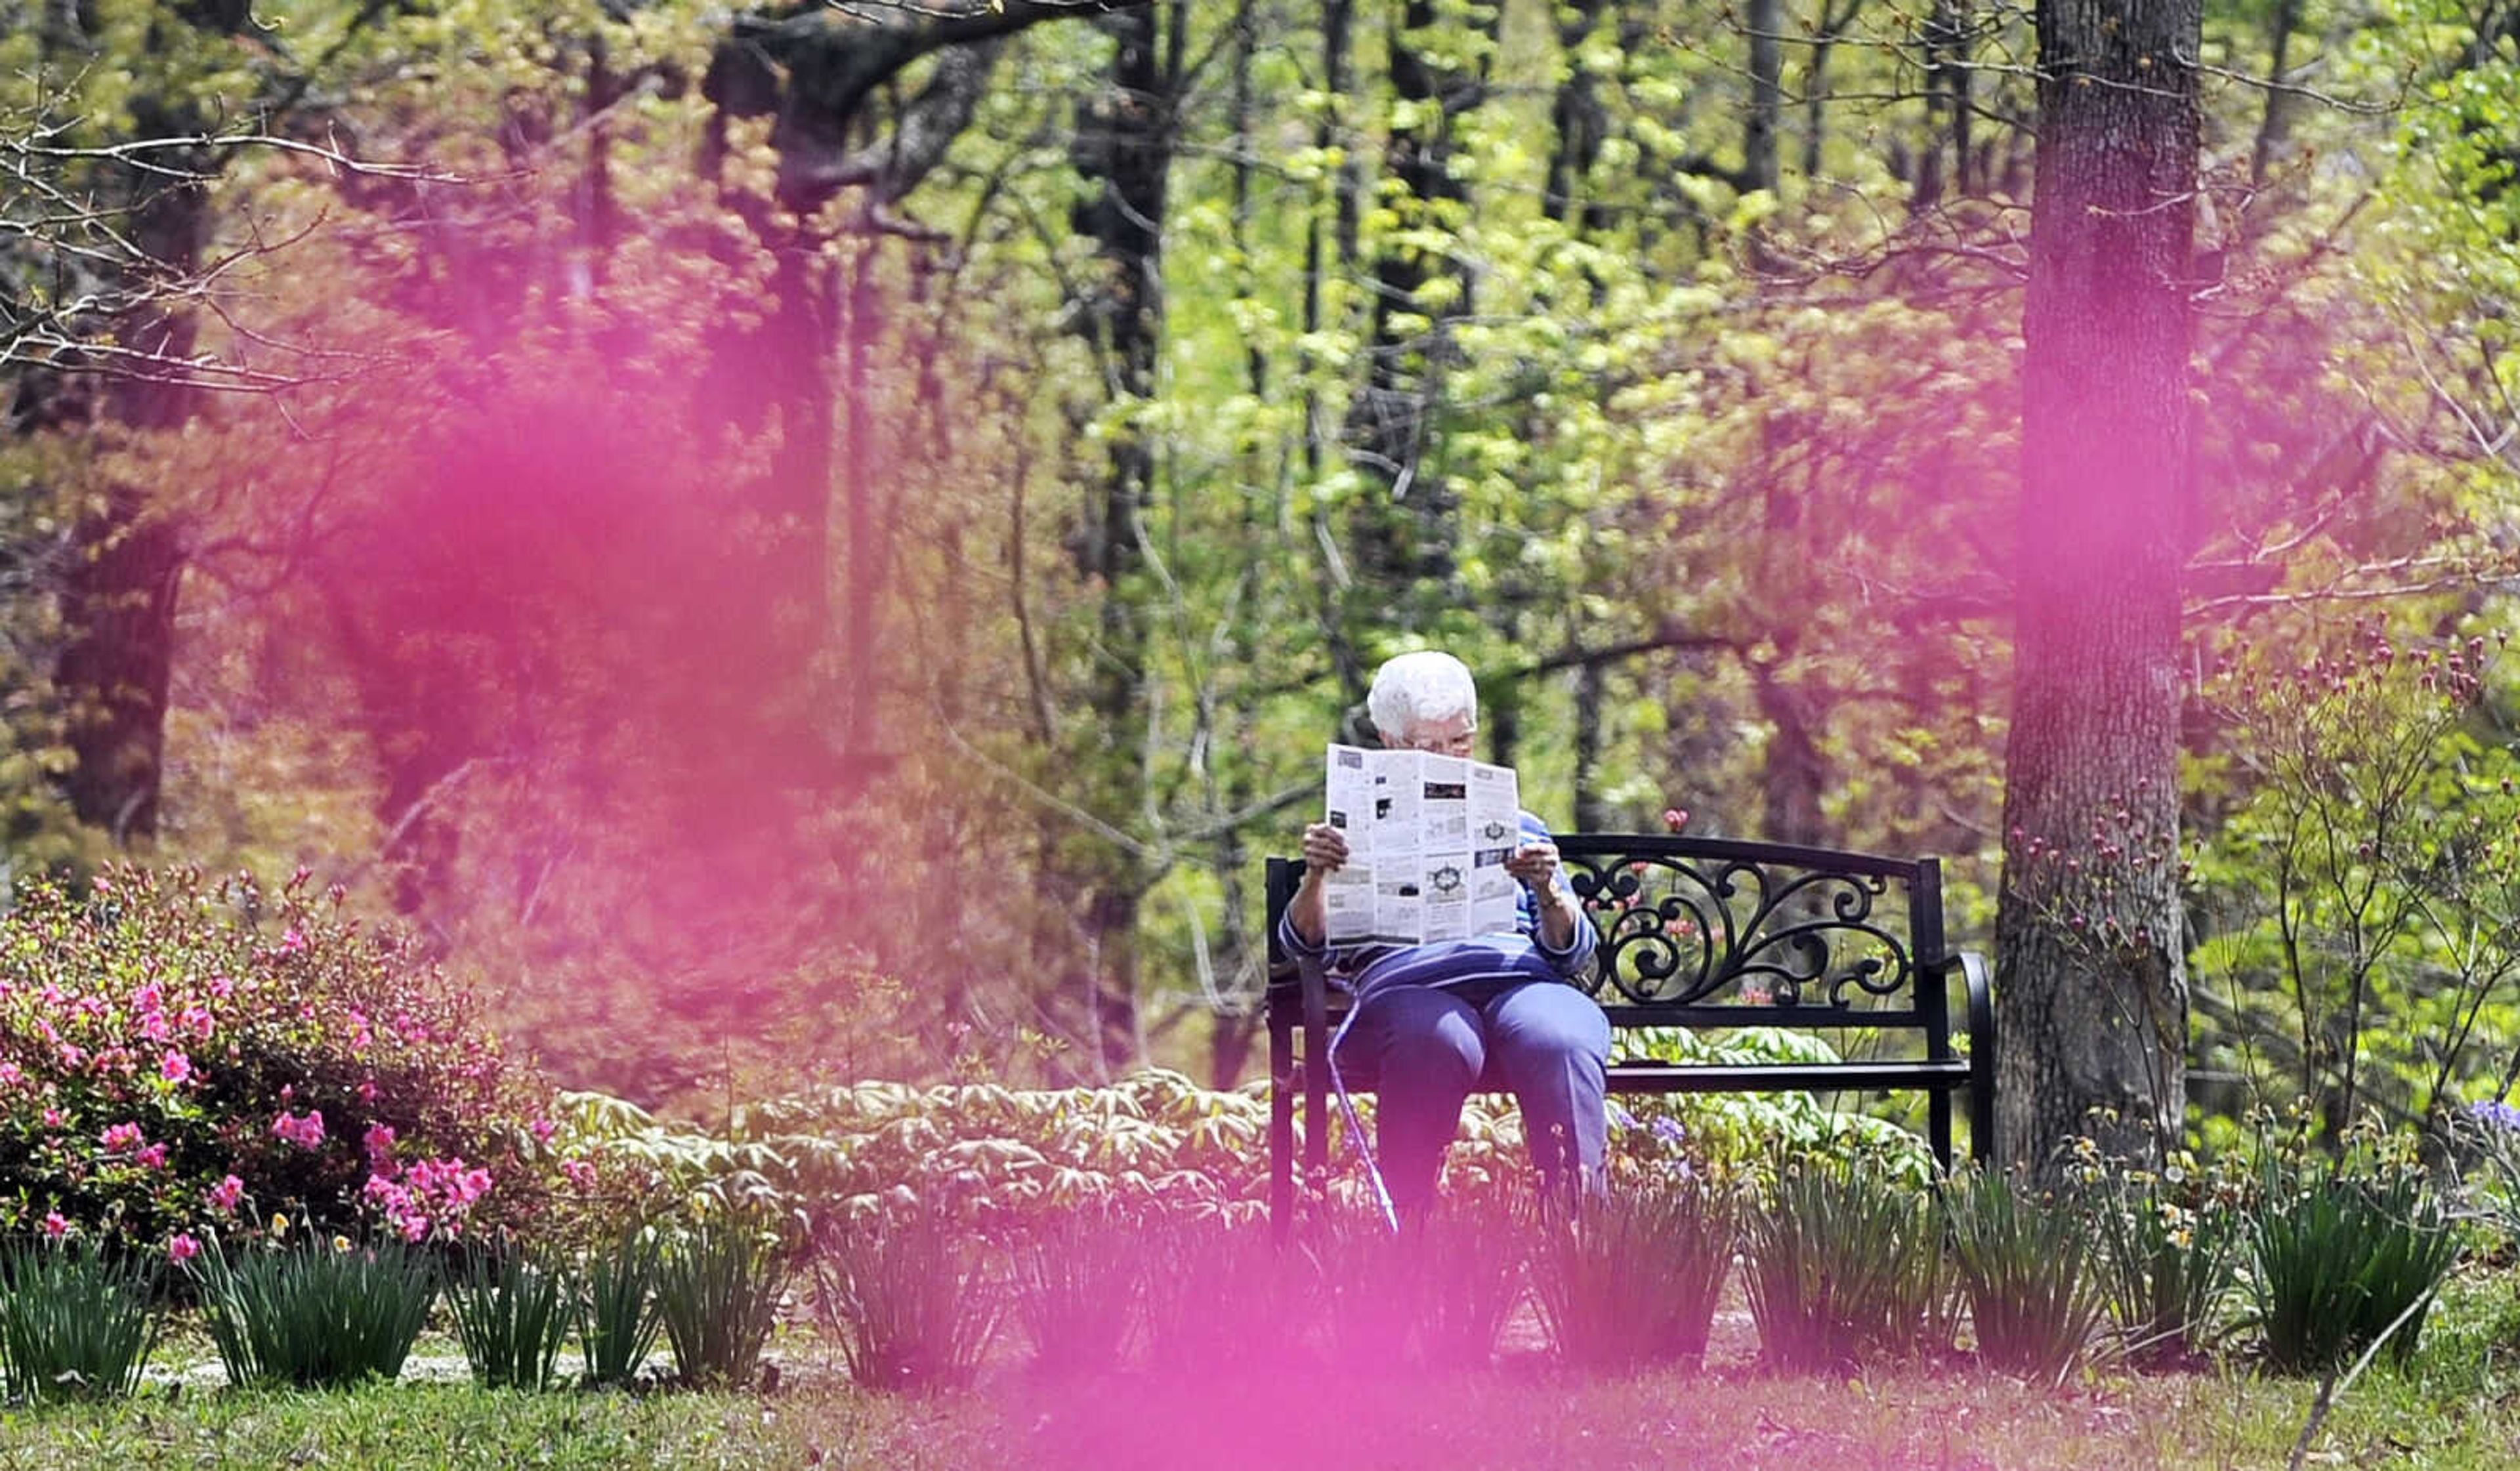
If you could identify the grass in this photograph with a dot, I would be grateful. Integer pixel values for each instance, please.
(1333, 1421)
(2456, 1407)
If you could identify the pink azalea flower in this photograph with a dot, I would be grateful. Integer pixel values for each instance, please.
(306, 1132)
(52, 1118)
(293, 942)
(175, 1067)
(413, 1227)
(181, 1247)
(10, 1077)
(226, 1193)
(541, 1129)
(121, 1137)
(55, 1228)
(367, 1091)
(221, 987)
(72, 1057)
(152, 1158)
(378, 1144)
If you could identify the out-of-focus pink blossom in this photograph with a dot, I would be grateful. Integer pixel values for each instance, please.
(153, 1157)
(579, 1173)
(306, 1132)
(541, 1130)
(221, 987)
(224, 1195)
(55, 1228)
(121, 1137)
(293, 942)
(175, 1067)
(380, 1144)
(52, 1118)
(10, 1077)
(181, 1247)
(73, 1057)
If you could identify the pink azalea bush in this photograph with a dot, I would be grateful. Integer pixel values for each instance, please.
(180, 1056)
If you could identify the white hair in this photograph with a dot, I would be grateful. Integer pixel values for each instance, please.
(1412, 689)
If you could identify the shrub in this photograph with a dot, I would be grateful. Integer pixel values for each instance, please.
(719, 1290)
(511, 1313)
(1462, 1276)
(75, 1323)
(2343, 1252)
(183, 1056)
(1631, 1277)
(315, 1315)
(909, 1295)
(619, 1314)
(2168, 1257)
(2024, 1263)
(1220, 1289)
(1080, 1285)
(1845, 1263)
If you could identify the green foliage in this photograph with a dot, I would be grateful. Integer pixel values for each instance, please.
(1079, 1285)
(2344, 1251)
(1844, 1265)
(315, 1315)
(1743, 1135)
(619, 1316)
(2025, 1261)
(76, 1321)
(2363, 904)
(178, 1054)
(1631, 1276)
(510, 1312)
(915, 1299)
(2169, 1247)
(719, 1290)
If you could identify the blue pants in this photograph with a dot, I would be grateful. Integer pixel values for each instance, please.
(1428, 1046)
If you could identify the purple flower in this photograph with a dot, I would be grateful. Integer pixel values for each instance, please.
(1668, 1130)
(2495, 1112)
(1620, 1116)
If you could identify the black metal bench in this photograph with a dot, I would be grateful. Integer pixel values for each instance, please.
(1709, 933)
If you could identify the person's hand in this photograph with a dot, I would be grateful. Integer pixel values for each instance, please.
(1536, 865)
(1325, 848)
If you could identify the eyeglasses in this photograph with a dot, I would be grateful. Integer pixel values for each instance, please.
(1442, 743)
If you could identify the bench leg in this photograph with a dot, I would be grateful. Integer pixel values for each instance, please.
(1938, 1109)
(1282, 1133)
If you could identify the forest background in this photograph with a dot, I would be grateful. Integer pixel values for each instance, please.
(825, 541)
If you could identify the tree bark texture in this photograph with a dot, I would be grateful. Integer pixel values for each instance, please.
(1124, 143)
(2092, 1023)
(118, 601)
(1409, 537)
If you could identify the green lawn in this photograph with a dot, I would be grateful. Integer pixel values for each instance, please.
(2456, 1406)
(1345, 1422)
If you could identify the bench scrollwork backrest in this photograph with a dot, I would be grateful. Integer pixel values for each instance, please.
(1709, 921)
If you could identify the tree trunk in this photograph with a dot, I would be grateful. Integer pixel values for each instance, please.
(1406, 538)
(2091, 986)
(1766, 19)
(1125, 145)
(118, 601)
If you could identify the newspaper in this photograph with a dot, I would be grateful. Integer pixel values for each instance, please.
(1427, 838)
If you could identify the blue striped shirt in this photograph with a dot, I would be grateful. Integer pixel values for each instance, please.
(1519, 956)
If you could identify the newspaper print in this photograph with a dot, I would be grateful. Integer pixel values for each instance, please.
(1427, 838)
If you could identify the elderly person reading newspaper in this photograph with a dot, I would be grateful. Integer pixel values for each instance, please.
(1429, 1016)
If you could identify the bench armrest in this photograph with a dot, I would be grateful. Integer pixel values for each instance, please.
(1980, 990)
